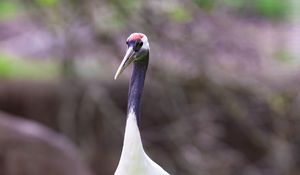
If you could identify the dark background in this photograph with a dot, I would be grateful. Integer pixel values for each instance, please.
(221, 95)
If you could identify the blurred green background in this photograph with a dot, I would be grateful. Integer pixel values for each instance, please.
(221, 96)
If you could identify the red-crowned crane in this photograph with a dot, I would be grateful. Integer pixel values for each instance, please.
(134, 160)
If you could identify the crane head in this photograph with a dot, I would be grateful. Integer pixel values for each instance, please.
(138, 48)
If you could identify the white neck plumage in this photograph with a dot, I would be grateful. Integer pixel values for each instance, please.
(134, 160)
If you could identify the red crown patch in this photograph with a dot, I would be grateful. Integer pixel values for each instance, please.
(135, 37)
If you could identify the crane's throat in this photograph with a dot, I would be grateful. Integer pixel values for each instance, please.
(136, 87)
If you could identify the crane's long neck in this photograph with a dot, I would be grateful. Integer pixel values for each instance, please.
(136, 86)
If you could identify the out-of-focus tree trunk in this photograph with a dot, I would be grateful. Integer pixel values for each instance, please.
(27, 147)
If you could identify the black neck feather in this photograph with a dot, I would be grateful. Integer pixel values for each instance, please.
(136, 86)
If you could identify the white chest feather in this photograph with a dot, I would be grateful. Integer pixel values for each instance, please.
(134, 161)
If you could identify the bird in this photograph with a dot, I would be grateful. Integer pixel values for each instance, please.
(134, 160)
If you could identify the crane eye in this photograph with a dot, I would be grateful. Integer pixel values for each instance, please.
(126, 42)
(141, 43)
(138, 45)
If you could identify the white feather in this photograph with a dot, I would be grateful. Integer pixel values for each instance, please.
(134, 160)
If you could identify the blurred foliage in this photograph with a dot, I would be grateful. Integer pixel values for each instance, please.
(180, 14)
(280, 103)
(270, 9)
(284, 56)
(8, 9)
(16, 68)
(47, 3)
(205, 4)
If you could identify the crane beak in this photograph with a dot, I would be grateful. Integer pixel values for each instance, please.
(128, 58)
